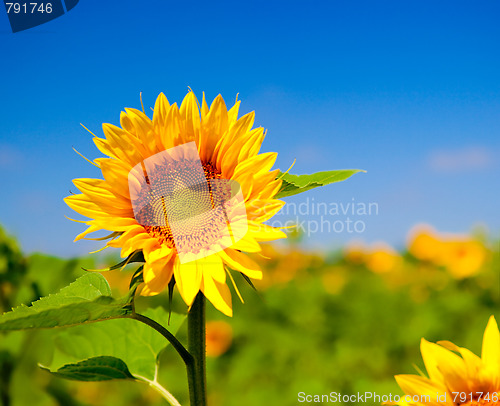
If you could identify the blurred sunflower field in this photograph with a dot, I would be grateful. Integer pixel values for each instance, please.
(343, 321)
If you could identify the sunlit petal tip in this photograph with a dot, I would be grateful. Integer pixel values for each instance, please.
(218, 294)
(204, 106)
(491, 345)
(188, 278)
(89, 230)
(452, 369)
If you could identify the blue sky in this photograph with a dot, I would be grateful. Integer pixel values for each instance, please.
(409, 91)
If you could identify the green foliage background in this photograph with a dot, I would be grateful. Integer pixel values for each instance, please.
(307, 333)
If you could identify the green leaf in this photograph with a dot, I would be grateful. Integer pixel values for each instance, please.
(94, 369)
(131, 341)
(47, 274)
(295, 184)
(87, 299)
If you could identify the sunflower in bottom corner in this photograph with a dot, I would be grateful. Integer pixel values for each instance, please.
(457, 377)
(172, 183)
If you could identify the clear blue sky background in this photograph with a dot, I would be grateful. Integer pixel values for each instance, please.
(408, 90)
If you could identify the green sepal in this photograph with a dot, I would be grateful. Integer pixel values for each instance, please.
(171, 286)
(249, 281)
(136, 256)
(137, 279)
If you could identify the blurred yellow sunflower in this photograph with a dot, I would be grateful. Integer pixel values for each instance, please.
(424, 243)
(382, 258)
(462, 256)
(226, 148)
(454, 380)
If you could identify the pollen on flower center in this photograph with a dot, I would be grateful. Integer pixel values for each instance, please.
(185, 197)
(186, 204)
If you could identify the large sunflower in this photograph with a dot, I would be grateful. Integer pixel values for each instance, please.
(226, 149)
(454, 379)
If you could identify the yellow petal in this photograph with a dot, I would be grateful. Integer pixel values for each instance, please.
(98, 208)
(424, 389)
(143, 129)
(214, 126)
(218, 294)
(116, 175)
(252, 144)
(261, 163)
(491, 347)
(89, 230)
(98, 191)
(160, 114)
(84, 207)
(246, 184)
(132, 242)
(269, 191)
(217, 117)
(191, 117)
(158, 253)
(264, 232)
(213, 267)
(103, 146)
(188, 279)
(125, 145)
(241, 263)
(247, 244)
(232, 114)
(204, 107)
(116, 223)
(229, 161)
(260, 182)
(139, 119)
(236, 136)
(449, 345)
(442, 365)
(262, 210)
(157, 275)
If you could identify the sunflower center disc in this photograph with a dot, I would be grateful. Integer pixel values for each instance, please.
(187, 205)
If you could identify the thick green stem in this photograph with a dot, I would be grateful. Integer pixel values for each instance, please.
(195, 358)
(197, 348)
